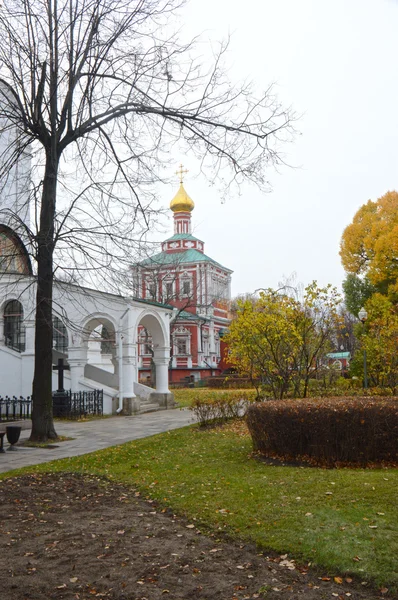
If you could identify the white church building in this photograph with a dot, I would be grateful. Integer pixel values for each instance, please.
(94, 332)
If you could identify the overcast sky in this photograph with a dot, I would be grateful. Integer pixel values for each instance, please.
(336, 63)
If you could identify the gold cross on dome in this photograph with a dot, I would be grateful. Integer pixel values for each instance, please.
(181, 172)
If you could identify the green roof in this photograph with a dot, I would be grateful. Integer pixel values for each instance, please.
(180, 258)
(152, 302)
(338, 355)
(185, 315)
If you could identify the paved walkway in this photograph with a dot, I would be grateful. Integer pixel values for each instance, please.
(92, 435)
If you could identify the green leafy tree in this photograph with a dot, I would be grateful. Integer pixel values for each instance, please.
(357, 291)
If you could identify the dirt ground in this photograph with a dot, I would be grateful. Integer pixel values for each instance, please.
(74, 538)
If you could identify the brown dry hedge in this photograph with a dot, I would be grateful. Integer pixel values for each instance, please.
(328, 431)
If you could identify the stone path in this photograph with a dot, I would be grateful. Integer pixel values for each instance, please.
(92, 435)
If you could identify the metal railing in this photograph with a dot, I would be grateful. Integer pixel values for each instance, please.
(72, 405)
(15, 409)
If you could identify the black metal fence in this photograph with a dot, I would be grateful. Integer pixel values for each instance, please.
(15, 409)
(73, 405)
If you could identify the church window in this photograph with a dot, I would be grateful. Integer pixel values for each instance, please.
(14, 332)
(169, 289)
(181, 341)
(151, 291)
(60, 336)
(182, 346)
(186, 288)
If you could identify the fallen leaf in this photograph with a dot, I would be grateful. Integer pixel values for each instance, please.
(190, 526)
(73, 579)
(338, 579)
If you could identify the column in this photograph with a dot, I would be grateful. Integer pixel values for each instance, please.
(129, 369)
(29, 336)
(161, 359)
(77, 360)
(2, 342)
(127, 358)
(28, 358)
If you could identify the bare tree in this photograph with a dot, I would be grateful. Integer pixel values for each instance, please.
(98, 91)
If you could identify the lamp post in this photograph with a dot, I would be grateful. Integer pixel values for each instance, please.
(363, 315)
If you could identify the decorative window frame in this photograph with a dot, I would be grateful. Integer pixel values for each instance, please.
(181, 333)
(151, 289)
(186, 277)
(168, 280)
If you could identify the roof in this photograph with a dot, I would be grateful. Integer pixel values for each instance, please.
(180, 258)
(184, 315)
(151, 302)
(339, 355)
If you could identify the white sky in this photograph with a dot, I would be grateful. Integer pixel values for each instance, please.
(336, 63)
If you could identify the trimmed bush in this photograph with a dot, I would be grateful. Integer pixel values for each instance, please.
(328, 431)
(217, 407)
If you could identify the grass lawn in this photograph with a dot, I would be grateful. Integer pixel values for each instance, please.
(185, 396)
(345, 521)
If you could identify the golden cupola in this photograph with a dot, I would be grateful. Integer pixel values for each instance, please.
(181, 201)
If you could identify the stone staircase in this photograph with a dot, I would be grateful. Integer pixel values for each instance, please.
(147, 407)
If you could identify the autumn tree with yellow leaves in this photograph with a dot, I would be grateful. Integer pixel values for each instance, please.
(278, 339)
(369, 245)
(369, 254)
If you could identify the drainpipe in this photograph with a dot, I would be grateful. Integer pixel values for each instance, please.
(120, 342)
(119, 410)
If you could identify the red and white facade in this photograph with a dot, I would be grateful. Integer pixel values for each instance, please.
(198, 288)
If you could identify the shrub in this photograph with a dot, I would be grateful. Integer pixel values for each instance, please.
(327, 431)
(217, 407)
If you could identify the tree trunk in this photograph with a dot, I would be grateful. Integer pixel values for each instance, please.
(42, 411)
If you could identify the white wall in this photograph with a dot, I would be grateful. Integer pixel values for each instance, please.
(10, 372)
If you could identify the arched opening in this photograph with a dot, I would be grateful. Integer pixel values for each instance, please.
(101, 343)
(14, 332)
(153, 352)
